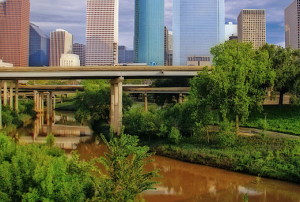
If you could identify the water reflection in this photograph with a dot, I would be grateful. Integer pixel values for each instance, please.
(181, 182)
(185, 182)
(64, 127)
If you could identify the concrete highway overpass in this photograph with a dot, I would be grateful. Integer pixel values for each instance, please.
(104, 72)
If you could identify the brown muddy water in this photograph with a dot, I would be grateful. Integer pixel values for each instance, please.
(181, 182)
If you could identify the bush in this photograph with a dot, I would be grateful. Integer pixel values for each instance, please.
(175, 136)
(226, 135)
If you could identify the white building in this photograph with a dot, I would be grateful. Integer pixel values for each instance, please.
(292, 22)
(3, 64)
(61, 42)
(69, 60)
(102, 32)
(230, 30)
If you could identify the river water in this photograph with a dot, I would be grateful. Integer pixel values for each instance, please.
(181, 182)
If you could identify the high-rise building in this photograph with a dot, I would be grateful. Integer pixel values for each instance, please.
(149, 31)
(61, 42)
(125, 56)
(69, 60)
(79, 49)
(14, 32)
(39, 46)
(102, 32)
(170, 44)
(197, 27)
(166, 47)
(230, 31)
(252, 27)
(292, 25)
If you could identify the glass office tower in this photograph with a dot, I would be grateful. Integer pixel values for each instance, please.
(39, 46)
(198, 25)
(149, 31)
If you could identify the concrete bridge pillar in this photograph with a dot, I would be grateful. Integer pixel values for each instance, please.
(146, 101)
(11, 97)
(116, 104)
(40, 103)
(54, 102)
(49, 105)
(35, 99)
(180, 98)
(4, 93)
(17, 96)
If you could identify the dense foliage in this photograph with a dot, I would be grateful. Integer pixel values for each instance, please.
(237, 83)
(44, 173)
(285, 62)
(93, 105)
(11, 118)
(263, 156)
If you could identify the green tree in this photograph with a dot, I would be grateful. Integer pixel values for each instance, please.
(237, 83)
(285, 62)
(124, 164)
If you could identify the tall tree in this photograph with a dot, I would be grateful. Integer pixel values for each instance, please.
(237, 83)
(285, 62)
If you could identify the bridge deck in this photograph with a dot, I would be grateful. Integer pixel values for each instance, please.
(102, 72)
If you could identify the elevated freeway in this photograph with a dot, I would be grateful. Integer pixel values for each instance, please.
(101, 72)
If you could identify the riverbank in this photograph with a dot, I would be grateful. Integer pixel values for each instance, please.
(23, 120)
(277, 158)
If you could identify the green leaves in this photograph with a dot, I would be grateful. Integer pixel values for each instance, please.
(236, 84)
(124, 164)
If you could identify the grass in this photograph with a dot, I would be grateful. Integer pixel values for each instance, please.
(66, 106)
(285, 119)
(276, 158)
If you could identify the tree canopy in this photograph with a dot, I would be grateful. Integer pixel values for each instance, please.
(285, 62)
(237, 82)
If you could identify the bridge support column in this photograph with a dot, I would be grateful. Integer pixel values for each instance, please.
(17, 96)
(11, 96)
(4, 93)
(35, 98)
(51, 104)
(54, 102)
(146, 101)
(48, 106)
(180, 98)
(0, 105)
(116, 114)
(40, 104)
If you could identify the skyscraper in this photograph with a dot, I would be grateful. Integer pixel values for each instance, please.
(79, 49)
(125, 56)
(14, 31)
(39, 45)
(102, 32)
(197, 27)
(61, 42)
(149, 31)
(292, 25)
(252, 27)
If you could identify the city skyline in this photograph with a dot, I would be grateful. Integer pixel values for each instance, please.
(71, 17)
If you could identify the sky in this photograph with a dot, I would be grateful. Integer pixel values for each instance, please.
(70, 15)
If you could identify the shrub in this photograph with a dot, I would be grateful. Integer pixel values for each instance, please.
(175, 136)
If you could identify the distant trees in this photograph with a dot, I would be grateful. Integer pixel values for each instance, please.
(237, 83)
